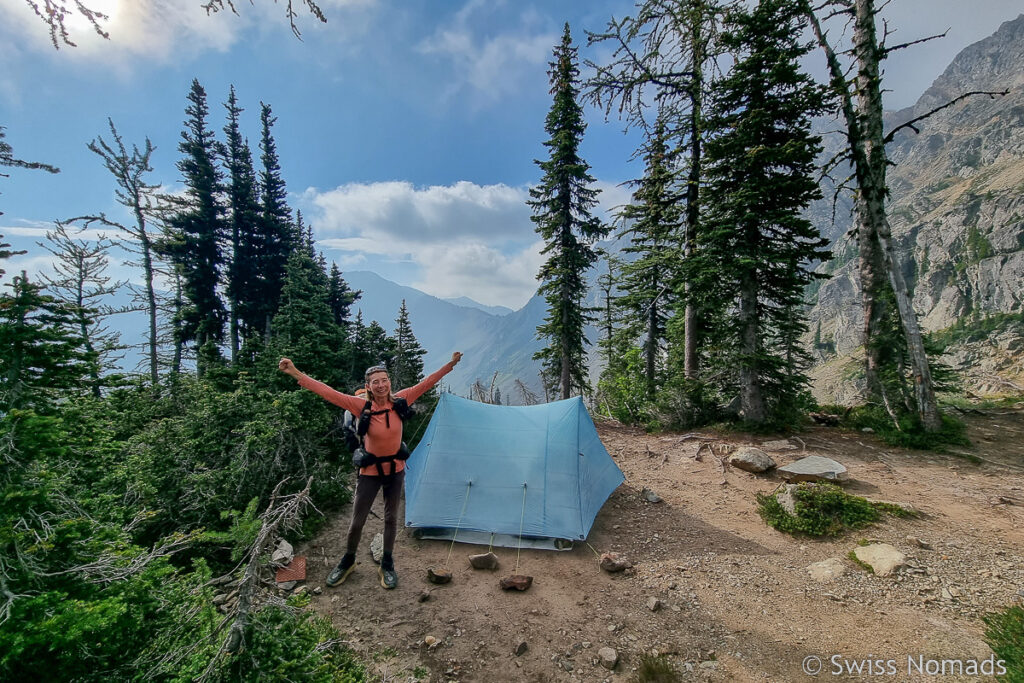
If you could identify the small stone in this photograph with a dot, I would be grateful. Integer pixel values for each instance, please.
(438, 575)
(613, 562)
(924, 545)
(650, 496)
(484, 561)
(520, 648)
(517, 582)
(431, 642)
(827, 570)
(654, 604)
(317, 590)
(608, 657)
(377, 548)
(283, 553)
(287, 585)
(424, 596)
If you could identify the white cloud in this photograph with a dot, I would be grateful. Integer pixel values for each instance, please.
(482, 273)
(397, 216)
(465, 239)
(492, 66)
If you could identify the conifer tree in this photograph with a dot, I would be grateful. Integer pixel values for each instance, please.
(375, 347)
(277, 236)
(756, 246)
(562, 204)
(668, 53)
(80, 282)
(6, 253)
(407, 364)
(341, 296)
(243, 218)
(41, 356)
(304, 325)
(196, 231)
(137, 237)
(647, 282)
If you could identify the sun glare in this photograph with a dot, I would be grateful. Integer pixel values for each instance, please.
(78, 25)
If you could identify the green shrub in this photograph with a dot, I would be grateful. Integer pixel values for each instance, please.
(655, 670)
(822, 509)
(910, 433)
(1005, 635)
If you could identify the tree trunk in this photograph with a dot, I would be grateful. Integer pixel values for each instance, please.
(652, 345)
(690, 358)
(751, 400)
(878, 267)
(874, 223)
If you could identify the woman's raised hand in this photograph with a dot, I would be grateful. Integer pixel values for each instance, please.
(286, 366)
(456, 357)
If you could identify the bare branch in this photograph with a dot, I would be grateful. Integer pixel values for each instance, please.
(910, 124)
(887, 50)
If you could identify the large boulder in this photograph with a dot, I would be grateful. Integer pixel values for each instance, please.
(751, 459)
(814, 468)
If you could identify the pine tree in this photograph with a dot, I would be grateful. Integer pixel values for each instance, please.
(196, 232)
(42, 360)
(647, 282)
(884, 295)
(561, 205)
(80, 282)
(304, 326)
(243, 219)
(407, 364)
(668, 53)
(277, 237)
(341, 297)
(375, 347)
(138, 238)
(756, 247)
(6, 253)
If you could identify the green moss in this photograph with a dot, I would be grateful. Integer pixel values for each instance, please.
(852, 556)
(821, 509)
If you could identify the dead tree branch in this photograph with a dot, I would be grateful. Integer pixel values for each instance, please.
(282, 514)
(910, 124)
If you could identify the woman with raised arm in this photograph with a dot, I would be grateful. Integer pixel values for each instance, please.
(381, 459)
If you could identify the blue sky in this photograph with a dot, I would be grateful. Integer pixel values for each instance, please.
(406, 130)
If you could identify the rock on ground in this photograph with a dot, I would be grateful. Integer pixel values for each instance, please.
(814, 468)
(883, 558)
(751, 459)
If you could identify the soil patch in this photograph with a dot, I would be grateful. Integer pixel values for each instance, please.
(712, 588)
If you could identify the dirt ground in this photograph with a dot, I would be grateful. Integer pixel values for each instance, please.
(735, 601)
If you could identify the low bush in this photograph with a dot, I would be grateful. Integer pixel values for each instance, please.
(1005, 635)
(823, 509)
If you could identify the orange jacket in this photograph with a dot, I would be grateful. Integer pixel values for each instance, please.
(384, 437)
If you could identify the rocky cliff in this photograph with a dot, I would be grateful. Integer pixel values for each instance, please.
(957, 215)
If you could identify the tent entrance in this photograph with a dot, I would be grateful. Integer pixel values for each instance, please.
(487, 538)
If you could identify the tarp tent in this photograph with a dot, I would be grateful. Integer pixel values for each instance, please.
(508, 475)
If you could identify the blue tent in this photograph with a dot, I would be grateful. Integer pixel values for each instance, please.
(508, 475)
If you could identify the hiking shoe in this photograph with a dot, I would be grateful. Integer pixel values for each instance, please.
(388, 577)
(341, 572)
